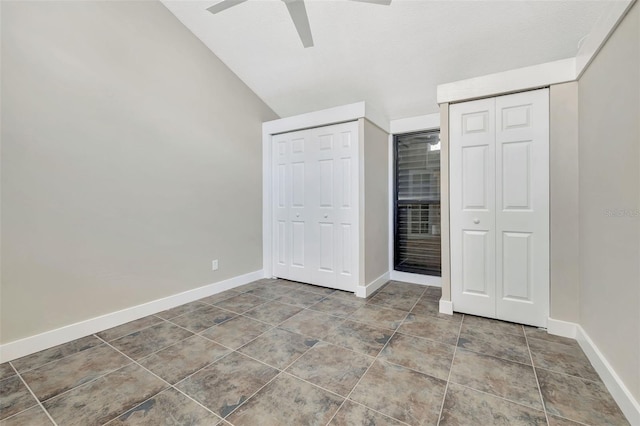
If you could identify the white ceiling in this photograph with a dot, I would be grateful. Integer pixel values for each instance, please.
(392, 57)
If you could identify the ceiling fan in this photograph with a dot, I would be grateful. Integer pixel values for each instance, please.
(298, 13)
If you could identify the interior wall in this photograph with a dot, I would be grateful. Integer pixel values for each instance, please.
(444, 203)
(609, 156)
(563, 203)
(131, 158)
(376, 199)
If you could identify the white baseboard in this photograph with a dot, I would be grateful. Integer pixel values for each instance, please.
(19, 348)
(408, 277)
(446, 307)
(562, 328)
(629, 406)
(369, 289)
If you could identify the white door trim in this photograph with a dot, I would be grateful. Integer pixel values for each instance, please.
(407, 125)
(341, 114)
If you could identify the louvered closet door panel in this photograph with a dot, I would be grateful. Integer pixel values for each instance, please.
(522, 214)
(292, 229)
(472, 204)
(334, 206)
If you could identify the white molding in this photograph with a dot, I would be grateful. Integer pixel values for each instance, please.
(408, 277)
(369, 289)
(415, 124)
(562, 328)
(391, 204)
(19, 348)
(604, 27)
(446, 307)
(340, 114)
(267, 213)
(620, 393)
(516, 80)
(540, 75)
(407, 125)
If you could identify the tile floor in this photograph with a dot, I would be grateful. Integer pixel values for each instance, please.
(275, 352)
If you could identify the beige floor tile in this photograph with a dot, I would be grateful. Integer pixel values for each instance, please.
(403, 394)
(278, 347)
(423, 355)
(236, 332)
(501, 345)
(359, 337)
(144, 342)
(441, 330)
(578, 399)
(379, 316)
(464, 406)
(184, 358)
(287, 401)
(14, 397)
(352, 414)
(59, 376)
(227, 383)
(34, 416)
(331, 367)
(128, 328)
(272, 312)
(99, 401)
(506, 379)
(167, 407)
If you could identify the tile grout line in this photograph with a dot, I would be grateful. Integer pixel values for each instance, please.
(95, 378)
(134, 331)
(535, 374)
(280, 372)
(266, 300)
(158, 377)
(376, 358)
(33, 395)
(600, 382)
(453, 358)
(57, 359)
(156, 351)
(496, 357)
(497, 396)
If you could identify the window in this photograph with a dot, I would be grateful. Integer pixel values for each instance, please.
(417, 203)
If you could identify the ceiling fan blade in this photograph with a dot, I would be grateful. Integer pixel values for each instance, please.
(300, 19)
(224, 5)
(380, 2)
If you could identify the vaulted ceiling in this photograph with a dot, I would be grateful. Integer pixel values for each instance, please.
(391, 56)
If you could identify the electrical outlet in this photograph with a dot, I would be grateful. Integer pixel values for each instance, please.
(214, 265)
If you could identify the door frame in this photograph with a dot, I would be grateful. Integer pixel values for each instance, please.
(340, 114)
(446, 122)
(410, 125)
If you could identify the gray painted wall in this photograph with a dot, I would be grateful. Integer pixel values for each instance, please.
(131, 157)
(609, 155)
(563, 202)
(376, 201)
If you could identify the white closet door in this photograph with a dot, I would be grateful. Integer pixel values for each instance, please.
(522, 214)
(499, 180)
(315, 206)
(333, 211)
(291, 232)
(472, 204)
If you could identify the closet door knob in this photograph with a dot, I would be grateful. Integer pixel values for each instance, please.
(476, 221)
(297, 214)
(326, 216)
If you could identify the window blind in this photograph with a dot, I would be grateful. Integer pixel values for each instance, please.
(417, 204)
